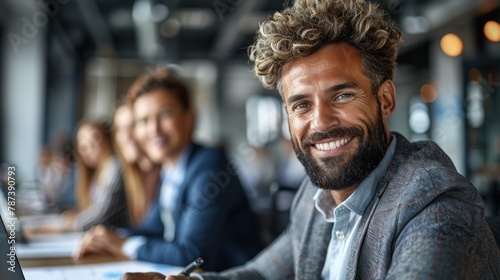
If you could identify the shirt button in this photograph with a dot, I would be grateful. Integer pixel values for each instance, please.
(340, 234)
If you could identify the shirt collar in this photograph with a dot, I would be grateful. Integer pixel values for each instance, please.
(359, 200)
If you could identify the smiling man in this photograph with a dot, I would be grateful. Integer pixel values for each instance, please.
(374, 205)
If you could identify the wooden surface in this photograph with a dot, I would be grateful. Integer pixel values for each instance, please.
(38, 262)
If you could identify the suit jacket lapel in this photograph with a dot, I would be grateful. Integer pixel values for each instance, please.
(352, 265)
(314, 243)
(359, 240)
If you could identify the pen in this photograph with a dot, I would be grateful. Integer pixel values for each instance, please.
(192, 266)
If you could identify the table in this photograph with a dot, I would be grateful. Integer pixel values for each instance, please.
(66, 261)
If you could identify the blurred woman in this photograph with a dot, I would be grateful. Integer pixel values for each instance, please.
(100, 191)
(141, 187)
(140, 174)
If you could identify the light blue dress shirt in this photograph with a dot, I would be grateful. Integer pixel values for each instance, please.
(171, 181)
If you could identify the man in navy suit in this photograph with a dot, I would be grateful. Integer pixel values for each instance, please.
(201, 208)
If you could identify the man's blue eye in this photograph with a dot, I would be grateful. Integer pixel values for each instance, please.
(343, 96)
(300, 106)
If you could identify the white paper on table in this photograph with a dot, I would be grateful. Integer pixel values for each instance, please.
(49, 245)
(103, 271)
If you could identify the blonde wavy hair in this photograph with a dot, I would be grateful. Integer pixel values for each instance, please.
(308, 25)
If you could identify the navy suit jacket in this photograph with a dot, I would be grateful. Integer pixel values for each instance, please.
(212, 216)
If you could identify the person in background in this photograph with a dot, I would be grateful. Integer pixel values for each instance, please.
(64, 158)
(140, 174)
(49, 176)
(99, 188)
(55, 173)
(66, 199)
(141, 178)
(201, 206)
(374, 205)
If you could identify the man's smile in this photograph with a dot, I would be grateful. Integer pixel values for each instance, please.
(332, 145)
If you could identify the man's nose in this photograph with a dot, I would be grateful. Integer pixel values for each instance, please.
(324, 117)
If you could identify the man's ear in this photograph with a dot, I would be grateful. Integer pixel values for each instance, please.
(387, 98)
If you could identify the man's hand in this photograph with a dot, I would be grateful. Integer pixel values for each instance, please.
(153, 276)
(171, 277)
(101, 240)
(143, 276)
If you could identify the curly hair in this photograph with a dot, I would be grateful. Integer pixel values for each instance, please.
(308, 25)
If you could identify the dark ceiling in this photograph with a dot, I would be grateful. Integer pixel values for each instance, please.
(220, 30)
(187, 29)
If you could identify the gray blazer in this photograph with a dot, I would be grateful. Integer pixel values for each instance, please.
(425, 222)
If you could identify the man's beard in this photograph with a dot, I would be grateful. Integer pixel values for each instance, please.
(340, 172)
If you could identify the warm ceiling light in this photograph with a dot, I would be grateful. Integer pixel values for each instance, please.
(428, 93)
(492, 31)
(452, 45)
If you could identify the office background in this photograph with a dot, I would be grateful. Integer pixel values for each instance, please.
(62, 60)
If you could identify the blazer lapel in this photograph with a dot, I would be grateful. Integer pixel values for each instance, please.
(352, 268)
(314, 243)
(352, 265)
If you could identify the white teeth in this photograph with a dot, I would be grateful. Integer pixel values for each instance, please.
(332, 145)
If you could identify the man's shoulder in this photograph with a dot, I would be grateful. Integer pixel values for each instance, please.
(209, 166)
(422, 170)
(421, 153)
(208, 160)
(204, 154)
(422, 159)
